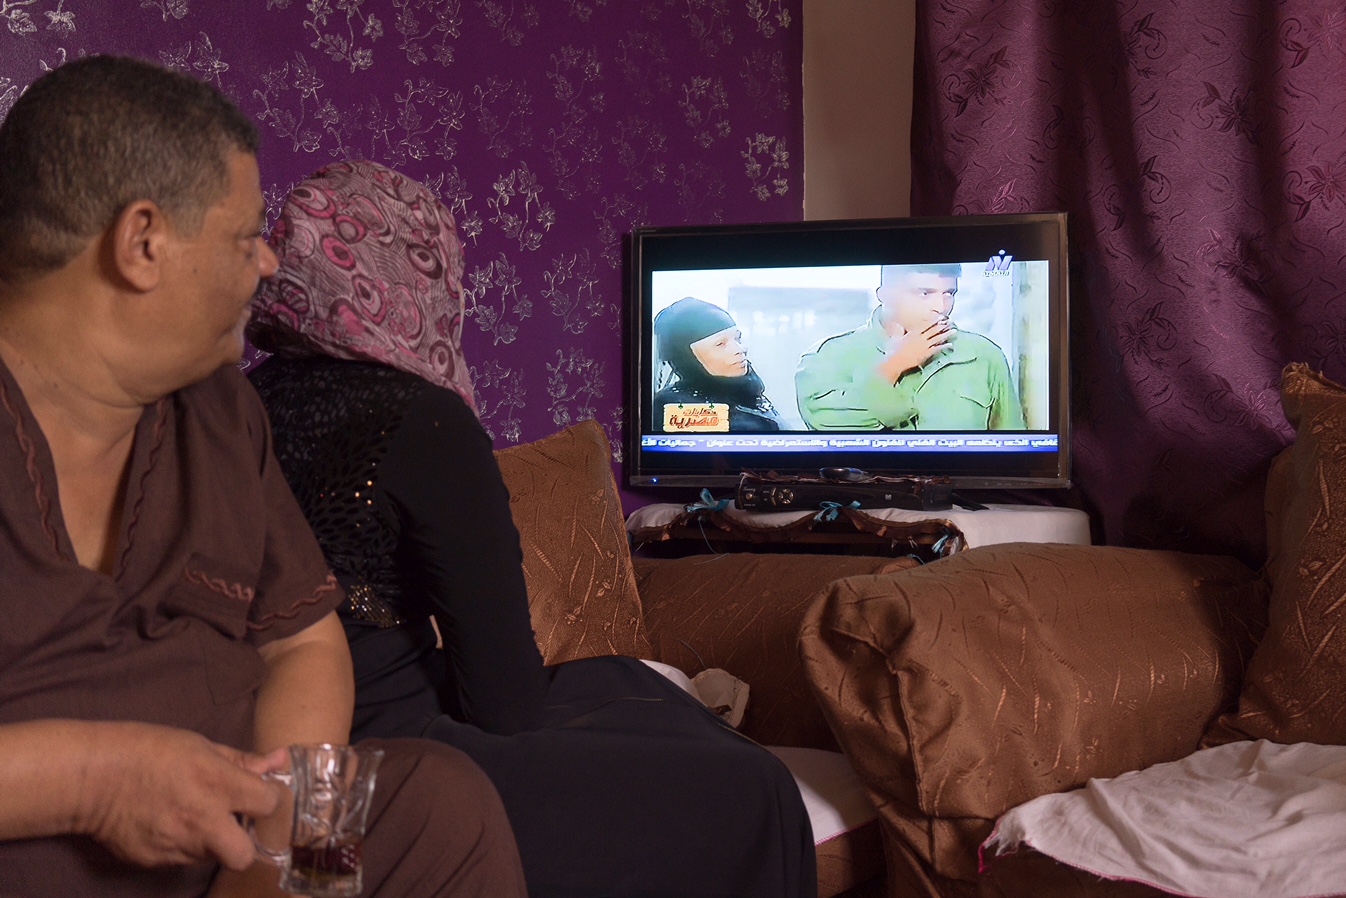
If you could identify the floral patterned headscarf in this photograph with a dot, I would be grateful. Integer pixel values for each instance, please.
(370, 269)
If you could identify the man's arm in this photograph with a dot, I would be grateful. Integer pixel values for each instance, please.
(309, 692)
(308, 696)
(151, 794)
(1007, 412)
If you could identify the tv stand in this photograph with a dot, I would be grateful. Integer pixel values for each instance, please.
(963, 501)
(720, 526)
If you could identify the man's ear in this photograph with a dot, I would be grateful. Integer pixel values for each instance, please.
(138, 243)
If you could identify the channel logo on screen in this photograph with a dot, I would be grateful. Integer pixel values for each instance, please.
(998, 265)
(696, 417)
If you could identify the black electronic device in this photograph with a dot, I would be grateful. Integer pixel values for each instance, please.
(774, 493)
(789, 287)
(844, 474)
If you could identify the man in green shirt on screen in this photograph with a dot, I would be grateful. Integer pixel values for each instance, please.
(909, 367)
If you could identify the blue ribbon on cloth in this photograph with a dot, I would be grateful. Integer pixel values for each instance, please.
(832, 510)
(707, 503)
(938, 549)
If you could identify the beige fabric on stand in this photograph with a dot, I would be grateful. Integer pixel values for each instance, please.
(1000, 523)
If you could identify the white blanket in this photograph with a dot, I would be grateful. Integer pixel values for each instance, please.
(1245, 820)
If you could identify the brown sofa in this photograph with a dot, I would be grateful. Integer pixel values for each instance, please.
(876, 631)
(966, 686)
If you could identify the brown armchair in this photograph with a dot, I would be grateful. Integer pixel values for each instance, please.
(983, 680)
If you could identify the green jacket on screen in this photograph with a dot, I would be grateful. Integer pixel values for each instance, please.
(966, 386)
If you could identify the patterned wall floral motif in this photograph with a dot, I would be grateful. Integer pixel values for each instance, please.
(1201, 154)
(550, 128)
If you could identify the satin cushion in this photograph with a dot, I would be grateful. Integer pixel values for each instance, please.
(980, 681)
(576, 561)
(1294, 687)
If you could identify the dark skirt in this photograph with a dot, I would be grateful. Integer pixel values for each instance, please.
(633, 789)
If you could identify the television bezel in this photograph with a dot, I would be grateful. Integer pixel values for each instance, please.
(840, 242)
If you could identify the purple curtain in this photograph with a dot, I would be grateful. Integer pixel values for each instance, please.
(1200, 150)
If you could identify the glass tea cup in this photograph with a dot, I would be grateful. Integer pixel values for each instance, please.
(332, 786)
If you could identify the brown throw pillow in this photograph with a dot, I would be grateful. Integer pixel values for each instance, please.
(1295, 686)
(977, 682)
(576, 562)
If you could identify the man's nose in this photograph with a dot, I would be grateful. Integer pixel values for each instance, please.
(267, 263)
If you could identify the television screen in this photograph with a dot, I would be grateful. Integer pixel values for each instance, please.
(899, 347)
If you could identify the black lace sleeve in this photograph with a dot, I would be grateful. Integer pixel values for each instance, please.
(440, 478)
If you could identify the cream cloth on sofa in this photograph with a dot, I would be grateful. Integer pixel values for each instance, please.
(715, 688)
(1244, 820)
(833, 795)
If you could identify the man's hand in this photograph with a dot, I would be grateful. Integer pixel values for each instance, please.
(155, 795)
(914, 348)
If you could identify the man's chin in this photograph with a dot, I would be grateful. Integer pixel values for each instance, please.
(233, 353)
(237, 342)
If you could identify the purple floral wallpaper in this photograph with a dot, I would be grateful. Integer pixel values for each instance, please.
(1200, 150)
(549, 127)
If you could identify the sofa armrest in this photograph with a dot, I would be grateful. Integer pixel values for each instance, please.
(741, 612)
(977, 682)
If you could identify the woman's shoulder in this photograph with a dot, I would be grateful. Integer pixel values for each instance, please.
(437, 436)
(754, 419)
(679, 392)
(323, 375)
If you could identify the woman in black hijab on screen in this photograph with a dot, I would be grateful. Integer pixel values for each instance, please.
(703, 360)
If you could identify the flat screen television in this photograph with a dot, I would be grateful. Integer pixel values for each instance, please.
(803, 325)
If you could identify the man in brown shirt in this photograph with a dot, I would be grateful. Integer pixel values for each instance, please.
(166, 619)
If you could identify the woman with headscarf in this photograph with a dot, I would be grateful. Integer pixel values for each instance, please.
(703, 360)
(374, 427)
